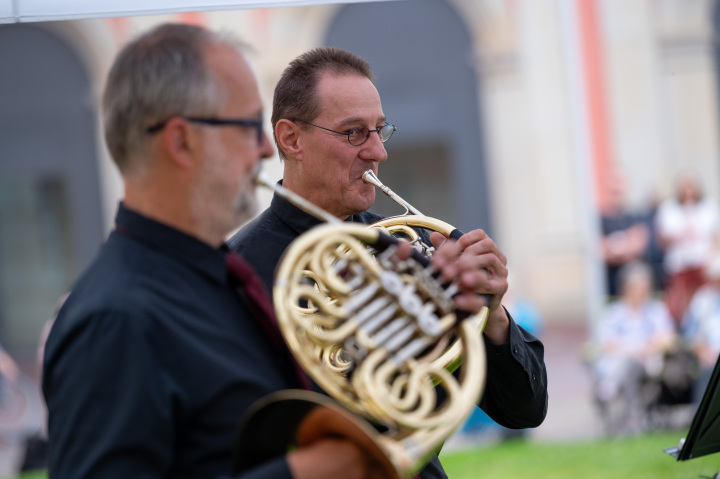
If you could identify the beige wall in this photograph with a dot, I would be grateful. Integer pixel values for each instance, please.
(659, 81)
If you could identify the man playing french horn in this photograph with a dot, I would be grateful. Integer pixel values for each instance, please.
(329, 127)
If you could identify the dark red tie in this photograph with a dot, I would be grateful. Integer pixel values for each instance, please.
(261, 307)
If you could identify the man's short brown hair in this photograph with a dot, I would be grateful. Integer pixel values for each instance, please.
(295, 95)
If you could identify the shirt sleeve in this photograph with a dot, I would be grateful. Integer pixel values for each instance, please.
(515, 393)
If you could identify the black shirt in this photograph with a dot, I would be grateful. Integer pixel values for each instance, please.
(152, 361)
(610, 224)
(515, 393)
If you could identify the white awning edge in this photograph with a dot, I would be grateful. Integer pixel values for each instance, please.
(23, 11)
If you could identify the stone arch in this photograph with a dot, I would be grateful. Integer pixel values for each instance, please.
(50, 204)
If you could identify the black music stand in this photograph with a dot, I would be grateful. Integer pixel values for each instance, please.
(704, 435)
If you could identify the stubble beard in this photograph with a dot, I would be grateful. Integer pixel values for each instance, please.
(220, 211)
(246, 204)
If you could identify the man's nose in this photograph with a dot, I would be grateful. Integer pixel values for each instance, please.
(373, 149)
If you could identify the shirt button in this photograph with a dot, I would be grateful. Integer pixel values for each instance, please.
(534, 378)
(515, 349)
(498, 353)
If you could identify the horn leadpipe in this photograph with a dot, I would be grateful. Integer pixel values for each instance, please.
(370, 177)
(380, 242)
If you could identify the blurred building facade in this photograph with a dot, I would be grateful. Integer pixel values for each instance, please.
(509, 115)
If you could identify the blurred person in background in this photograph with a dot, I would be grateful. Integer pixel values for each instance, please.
(654, 253)
(13, 400)
(701, 327)
(633, 335)
(689, 229)
(36, 445)
(9, 374)
(625, 234)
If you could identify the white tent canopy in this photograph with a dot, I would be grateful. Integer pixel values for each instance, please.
(12, 11)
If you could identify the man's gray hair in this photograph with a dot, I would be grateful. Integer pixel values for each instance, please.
(161, 74)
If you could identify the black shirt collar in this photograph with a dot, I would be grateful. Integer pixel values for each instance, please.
(167, 240)
(300, 221)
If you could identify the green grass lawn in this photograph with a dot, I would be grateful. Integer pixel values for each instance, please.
(630, 458)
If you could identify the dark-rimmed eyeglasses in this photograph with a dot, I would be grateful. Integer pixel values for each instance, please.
(359, 135)
(216, 122)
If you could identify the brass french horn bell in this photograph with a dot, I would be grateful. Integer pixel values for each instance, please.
(394, 322)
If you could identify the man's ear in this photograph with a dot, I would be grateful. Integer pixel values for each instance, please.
(180, 141)
(287, 134)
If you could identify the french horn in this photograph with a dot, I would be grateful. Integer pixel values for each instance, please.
(341, 287)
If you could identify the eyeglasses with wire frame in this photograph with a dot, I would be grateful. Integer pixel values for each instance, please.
(257, 123)
(359, 135)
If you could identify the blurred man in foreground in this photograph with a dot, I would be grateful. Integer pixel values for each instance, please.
(157, 352)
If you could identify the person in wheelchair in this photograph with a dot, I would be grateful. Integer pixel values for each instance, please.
(701, 327)
(633, 335)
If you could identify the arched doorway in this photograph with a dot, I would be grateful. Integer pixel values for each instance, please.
(50, 212)
(421, 53)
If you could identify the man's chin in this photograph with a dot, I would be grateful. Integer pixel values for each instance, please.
(364, 202)
(369, 199)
